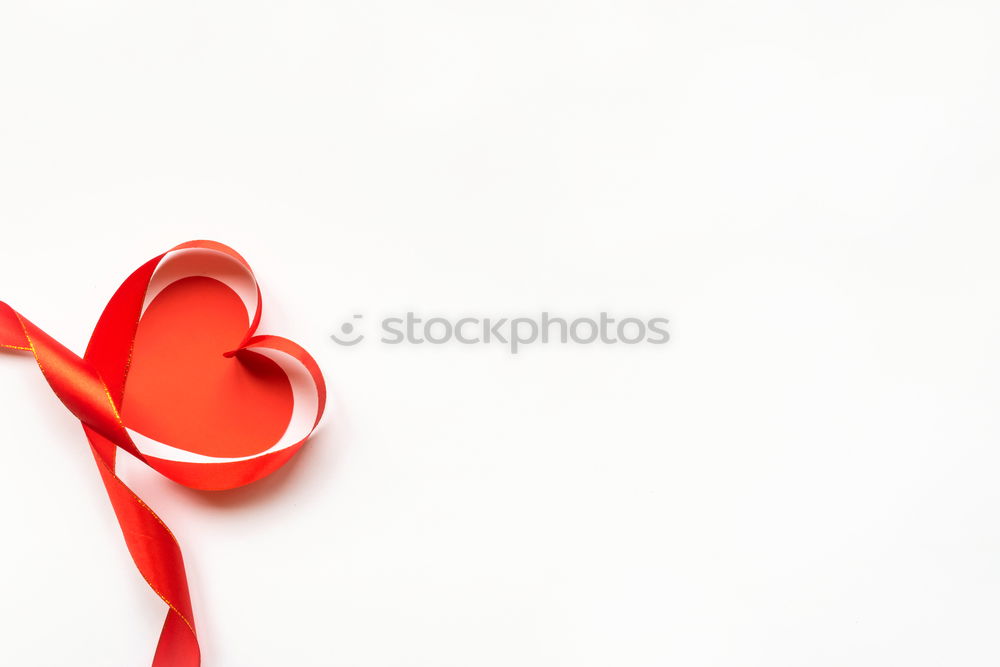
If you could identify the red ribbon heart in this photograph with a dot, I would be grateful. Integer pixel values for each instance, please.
(175, 376)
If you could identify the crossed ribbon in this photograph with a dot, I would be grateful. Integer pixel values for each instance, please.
(93, 387)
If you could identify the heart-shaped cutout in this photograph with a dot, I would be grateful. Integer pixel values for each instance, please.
(182, 391)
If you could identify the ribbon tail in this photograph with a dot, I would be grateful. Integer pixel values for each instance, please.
(157, 555)
(153, 547)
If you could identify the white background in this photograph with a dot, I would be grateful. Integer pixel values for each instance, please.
(805, 475)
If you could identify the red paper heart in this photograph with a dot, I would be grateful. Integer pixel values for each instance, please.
(183, 392)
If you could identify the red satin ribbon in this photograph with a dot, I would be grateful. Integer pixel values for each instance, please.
(93, 387)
